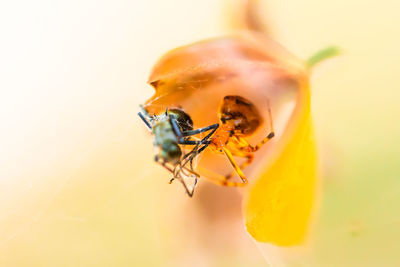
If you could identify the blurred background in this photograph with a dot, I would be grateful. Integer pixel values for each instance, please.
(78, 186)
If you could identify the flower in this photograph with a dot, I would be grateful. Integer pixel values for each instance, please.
(277, 204)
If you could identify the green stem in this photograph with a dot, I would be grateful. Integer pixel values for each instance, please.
(321, 55)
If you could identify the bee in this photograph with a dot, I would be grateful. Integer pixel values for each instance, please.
(172, 129)
(239, 118)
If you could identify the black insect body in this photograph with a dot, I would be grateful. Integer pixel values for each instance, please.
(172, 129)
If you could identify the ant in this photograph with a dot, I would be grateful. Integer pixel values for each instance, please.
(171, 129)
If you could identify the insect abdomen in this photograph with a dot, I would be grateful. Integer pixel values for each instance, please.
(242, 116)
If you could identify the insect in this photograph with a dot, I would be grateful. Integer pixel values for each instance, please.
(239, 118)
(172, 129)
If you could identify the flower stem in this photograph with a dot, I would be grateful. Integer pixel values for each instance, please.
(322, 55)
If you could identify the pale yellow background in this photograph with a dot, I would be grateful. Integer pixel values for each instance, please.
(77, 183)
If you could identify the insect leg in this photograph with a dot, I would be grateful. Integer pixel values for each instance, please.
(196, 177)
(218, 178)
(201, 130)
(177, 175)
(176, 128)
(269, 136)
(204, 141)
(249, 160)
(145, 121)
(214, 177)
(258, 146)
(189, 192)
(196, 151)
(182, 169)
(235, 165)
(156, 159)
(214, 127)
(181, 134)
(168, 169)
(192, 142)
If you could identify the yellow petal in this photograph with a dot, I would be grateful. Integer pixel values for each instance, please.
(279, 203)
